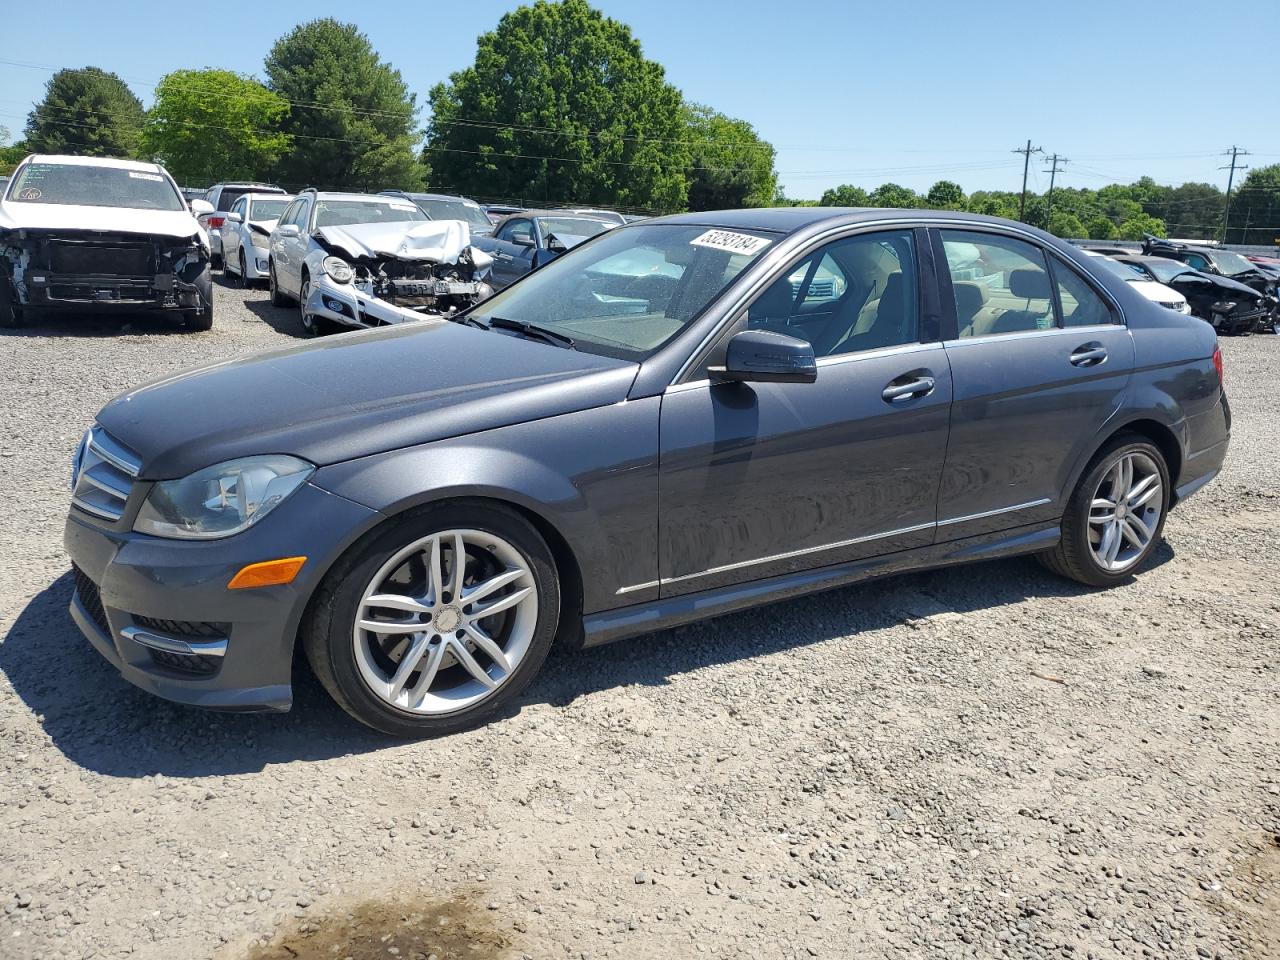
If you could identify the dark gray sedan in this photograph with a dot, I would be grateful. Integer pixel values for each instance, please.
(679, 418)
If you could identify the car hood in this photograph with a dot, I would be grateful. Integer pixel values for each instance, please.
(1233, 287)
(1157, 291)
(65, 216)
(440, 241)
(357, 394)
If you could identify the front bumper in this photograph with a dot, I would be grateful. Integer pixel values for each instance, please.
(255, 263)
(160, 611)
(162, 291)
(347, 304)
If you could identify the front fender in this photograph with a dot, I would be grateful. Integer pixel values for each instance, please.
(591, 476)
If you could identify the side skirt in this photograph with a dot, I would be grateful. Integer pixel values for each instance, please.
(610, 625)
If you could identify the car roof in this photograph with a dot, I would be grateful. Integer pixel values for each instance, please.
(430, 196)
(571, 214)
(233, 185)
(138, 165)
(343, 195)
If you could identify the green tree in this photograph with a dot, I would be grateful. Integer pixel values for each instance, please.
(1102, 228)
(561, 104)
(893, 195)
(1066, 224)
(945, 195)
(729, 165)
(845, 195)
(353, 119)
(993, 203)
(87, 112)
(1135, 227)
(1255, 208)
(208, 125)
(11, 154)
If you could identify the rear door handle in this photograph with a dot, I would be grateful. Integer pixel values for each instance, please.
(1088, 355)
(904, 389)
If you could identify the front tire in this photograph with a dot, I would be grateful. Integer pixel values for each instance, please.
(278, 298)
(244, 273)
(1115, 518)
(414, 643)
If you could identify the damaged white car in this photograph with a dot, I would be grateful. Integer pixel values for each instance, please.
(360, 260)
(96, 234)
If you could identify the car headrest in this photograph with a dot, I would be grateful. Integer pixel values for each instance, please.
(1029, 284)
(970, 298)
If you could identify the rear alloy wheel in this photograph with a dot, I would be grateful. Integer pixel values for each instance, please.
(1115, 518)
(438, 623)
(278, 298)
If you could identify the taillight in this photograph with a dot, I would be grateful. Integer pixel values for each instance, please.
(216, 221)
(1217, 365)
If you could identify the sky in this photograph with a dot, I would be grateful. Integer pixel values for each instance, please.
(848, 92)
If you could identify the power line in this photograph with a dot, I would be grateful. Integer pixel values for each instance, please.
(1026, 152)
(1235, 153)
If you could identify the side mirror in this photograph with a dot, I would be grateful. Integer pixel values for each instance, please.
(766, 357)
(555, 244)
(288, 230)
(201, 207)
(234, 218)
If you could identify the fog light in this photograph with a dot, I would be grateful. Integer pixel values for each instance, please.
(334, 305)
(268, 573)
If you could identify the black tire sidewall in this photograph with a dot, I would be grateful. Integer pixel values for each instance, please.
(328, 638)
(1077, 525)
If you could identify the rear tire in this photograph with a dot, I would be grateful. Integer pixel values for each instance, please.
(278, 298)
(1115, 518)
(507, 565)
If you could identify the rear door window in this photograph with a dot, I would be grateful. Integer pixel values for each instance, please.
(1001, 284)
(1081, 305)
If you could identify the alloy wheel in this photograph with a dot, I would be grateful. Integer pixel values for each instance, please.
(445, 622)
(1124, 514)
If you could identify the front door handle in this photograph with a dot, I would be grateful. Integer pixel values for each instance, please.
(1088, 354)
(918, 385)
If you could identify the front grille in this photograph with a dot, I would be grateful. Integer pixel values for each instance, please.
(104, 475)
(185, 629)
(90, 598)
(188, 663)
(101, 259)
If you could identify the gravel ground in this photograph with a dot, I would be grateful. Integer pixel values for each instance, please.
(980, 762)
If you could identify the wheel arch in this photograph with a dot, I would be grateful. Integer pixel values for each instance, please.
(1148, 428)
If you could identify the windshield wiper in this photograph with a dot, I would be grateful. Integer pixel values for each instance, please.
(535, 331)
(470, 321)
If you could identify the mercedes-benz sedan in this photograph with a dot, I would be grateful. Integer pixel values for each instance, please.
(678, 418)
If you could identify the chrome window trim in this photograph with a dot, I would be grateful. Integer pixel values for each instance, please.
(1043, 501)
(1027, 334)
(797, 553)
(786, 254)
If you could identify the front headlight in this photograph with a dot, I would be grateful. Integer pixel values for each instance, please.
(221, 500)
(260, 240)
(339, 270)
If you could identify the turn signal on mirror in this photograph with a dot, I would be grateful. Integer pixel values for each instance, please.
(268, 573)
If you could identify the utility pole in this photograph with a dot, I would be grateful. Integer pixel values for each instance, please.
(1053, 174)
(1234, 153)
(1026, 152)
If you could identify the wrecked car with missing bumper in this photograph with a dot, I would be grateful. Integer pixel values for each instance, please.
(360, 260)
(92, 233)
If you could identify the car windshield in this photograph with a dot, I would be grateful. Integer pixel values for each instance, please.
(94, 186)
(1166, 270)
(1230, 263)
(571, 230)
(455, 210)
(632, 290)
(268, 209)
(339, 213)
(1121, 270)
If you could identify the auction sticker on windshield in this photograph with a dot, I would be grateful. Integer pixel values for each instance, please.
(133, 174)
(730, 241)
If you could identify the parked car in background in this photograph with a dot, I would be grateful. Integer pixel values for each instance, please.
(96, 234)
(497, 211)
(1231, 307)
(526, 240)
(1108, 251)
(222, 196)
(603, 450)
(610, 215)
(193, 193)
(1155, 292)
(4, 184)
(1222, 263)
(440, 206)
(246, 234)
(367, 260)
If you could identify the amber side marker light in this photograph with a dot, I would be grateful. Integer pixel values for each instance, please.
(269, 573)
